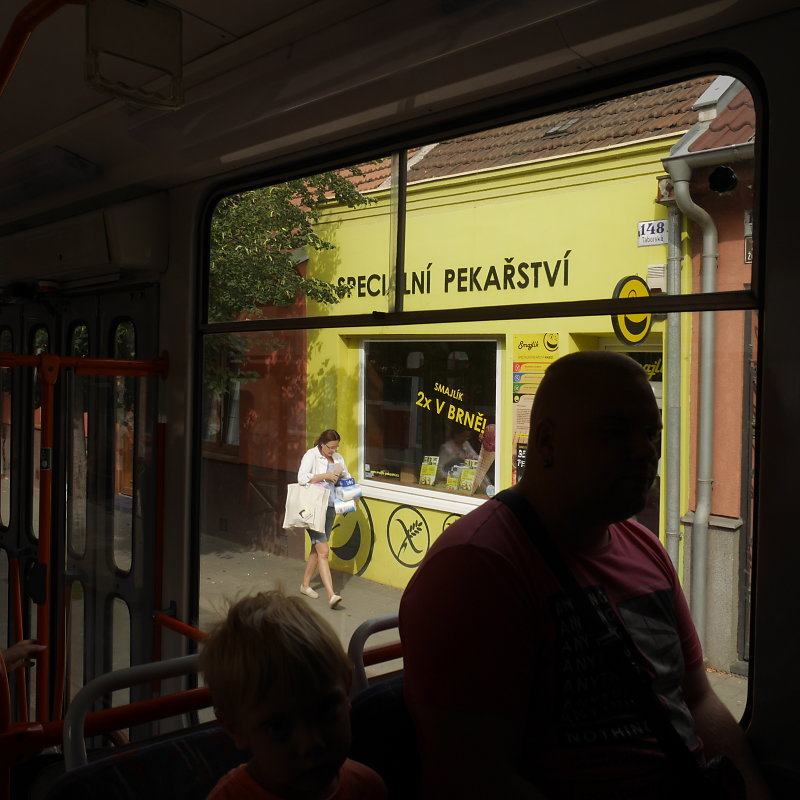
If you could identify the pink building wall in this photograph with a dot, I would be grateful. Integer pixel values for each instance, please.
(733, 274)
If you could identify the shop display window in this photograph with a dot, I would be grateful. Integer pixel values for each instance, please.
(430, 409)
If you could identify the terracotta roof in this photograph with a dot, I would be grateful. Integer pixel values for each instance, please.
(378, 172)
(657, 112)
(375, 173)
(735, 124)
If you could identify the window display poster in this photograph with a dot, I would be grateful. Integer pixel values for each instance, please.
(467, 477)
(531, 354)
(427, 472)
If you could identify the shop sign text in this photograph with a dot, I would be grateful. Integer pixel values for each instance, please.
(511, 275)
(460, 416)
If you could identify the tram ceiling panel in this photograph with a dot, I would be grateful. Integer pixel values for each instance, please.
(251, 71)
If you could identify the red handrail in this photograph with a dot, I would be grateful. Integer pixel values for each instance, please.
(49, 367)
(180, 627)
(381, 653)
(24, 24)
(126, 367)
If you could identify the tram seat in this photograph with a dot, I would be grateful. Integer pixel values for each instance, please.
(385, 739)
(185, 766)
(362, 657)
(383, 733)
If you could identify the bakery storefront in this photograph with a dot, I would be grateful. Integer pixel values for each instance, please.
(434, 418)
(417, 317)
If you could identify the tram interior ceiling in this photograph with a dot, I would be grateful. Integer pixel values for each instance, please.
(475, 188)
(249, 72)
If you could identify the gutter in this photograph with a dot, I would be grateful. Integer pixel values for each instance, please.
(679, 168)
(672, 413)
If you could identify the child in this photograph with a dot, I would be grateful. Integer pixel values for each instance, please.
(280, 681)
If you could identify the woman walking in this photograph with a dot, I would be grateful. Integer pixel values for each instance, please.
(322, 464)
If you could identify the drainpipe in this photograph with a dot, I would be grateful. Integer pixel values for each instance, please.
(680, 170)
(681, 173)
(672, 374)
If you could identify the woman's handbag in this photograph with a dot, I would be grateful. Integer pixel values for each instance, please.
(717, 779)
(306, 506)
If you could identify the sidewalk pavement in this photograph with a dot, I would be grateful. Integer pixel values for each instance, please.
(227, 572)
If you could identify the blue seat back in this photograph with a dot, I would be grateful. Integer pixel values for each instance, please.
(183, 767)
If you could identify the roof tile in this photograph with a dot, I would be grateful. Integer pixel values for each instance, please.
(735, 124)
(666, 110)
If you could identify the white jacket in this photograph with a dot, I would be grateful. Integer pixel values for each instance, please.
(314, 463)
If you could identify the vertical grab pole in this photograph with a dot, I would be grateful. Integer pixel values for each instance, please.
(16, 599)
(48, 376)
(158, 555)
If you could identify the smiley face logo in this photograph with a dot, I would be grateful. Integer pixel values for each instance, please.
(353, 537)
(409, 536)
(632, 328)
(551, 342)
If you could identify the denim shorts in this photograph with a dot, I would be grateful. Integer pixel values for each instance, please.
(316, 536)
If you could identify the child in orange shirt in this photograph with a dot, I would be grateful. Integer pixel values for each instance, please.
(280, 683)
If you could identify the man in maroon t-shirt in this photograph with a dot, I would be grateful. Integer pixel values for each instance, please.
(510, 697)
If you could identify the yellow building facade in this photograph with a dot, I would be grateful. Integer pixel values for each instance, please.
(553, 231)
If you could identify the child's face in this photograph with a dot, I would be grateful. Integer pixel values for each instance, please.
(298, 743)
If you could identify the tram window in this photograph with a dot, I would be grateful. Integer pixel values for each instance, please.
(77, 467)
(40, 343)
(572, 206)
(263, 243)
(259, 414)
(120, 644)
(124, 435)
(427, 405)
(556, 208)
(6, 346)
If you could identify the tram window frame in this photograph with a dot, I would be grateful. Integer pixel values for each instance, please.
(660, 303)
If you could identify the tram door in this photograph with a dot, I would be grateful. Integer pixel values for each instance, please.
(103, 484)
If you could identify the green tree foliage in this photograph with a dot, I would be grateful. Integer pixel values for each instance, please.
(255, 236)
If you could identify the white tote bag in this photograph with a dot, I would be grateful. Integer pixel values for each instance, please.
(306, 506)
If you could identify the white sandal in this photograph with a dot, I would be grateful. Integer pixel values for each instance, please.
(309, 592)
(334, 601)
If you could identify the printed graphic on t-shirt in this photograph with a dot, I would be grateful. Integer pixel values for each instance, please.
(651, 622)
(596, 707)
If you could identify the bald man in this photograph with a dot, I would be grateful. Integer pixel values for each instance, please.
(510, 697)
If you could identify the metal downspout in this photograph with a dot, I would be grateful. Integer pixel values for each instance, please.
(681, 172)
(672, 369)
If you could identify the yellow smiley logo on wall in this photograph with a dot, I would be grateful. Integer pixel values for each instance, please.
(632, 328)
(353, 537)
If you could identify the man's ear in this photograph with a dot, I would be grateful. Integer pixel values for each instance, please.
(543, 444)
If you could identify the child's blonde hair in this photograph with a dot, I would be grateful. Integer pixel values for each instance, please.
(269, 645)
